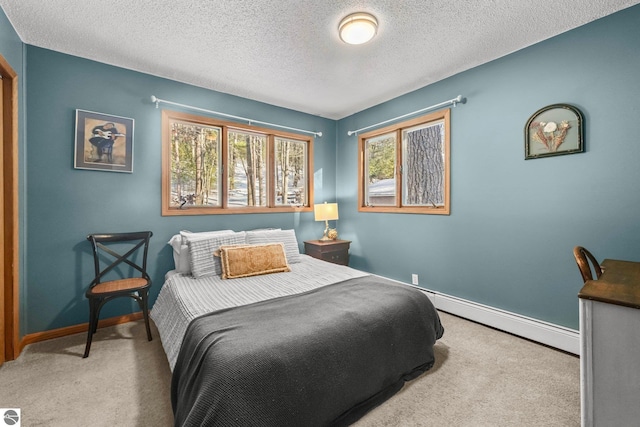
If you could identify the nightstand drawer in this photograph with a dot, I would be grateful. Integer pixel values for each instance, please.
(335, 251)
(336, 257)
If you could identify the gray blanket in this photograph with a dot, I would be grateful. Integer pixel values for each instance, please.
(324, 357)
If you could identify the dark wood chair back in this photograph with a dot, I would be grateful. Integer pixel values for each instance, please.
(587, 263)
(111, 251)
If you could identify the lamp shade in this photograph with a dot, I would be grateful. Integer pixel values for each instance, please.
(325, 211)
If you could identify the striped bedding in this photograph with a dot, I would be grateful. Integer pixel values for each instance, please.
(183, 298)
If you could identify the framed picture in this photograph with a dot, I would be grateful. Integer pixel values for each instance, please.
(103, 142)
(554, 130)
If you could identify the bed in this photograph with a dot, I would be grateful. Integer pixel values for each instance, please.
(316, 344)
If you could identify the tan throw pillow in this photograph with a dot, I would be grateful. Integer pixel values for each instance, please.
(252, 260)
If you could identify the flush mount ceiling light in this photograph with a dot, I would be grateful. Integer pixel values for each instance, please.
(358, 28)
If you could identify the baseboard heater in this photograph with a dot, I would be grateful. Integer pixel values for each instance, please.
(559, 337)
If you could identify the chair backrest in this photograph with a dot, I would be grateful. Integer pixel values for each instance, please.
(586, 262)
(113, 250)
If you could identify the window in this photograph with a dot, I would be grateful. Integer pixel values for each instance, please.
(291, 156)
(215, 167)
(404, 168)
(247, 172)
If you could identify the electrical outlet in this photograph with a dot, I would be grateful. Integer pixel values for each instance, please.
(414, 279)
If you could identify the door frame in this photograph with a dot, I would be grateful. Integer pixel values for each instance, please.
(9, 247)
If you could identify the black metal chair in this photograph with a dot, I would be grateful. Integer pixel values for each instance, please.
(586, 262)
(124, 258)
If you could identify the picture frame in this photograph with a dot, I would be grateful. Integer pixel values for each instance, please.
(103, 142)
(554, 130)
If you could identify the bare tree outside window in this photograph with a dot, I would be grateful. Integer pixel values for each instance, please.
(247, 171)
(195, 156)
(291, 169)
(423, 168)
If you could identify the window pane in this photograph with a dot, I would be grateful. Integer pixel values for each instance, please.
(291, 165)
(195, 160)
(380, 160)
(423, 165)
(247, 169)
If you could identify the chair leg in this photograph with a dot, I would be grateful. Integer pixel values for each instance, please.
(145, 312)
(96, 315)
(93, 323)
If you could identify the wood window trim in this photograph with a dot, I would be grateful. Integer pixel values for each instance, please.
(271, 134)
(444, 115)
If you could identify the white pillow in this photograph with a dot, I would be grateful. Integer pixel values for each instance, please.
(184, 260)
(186, 234)
(181, 256)
(288, 237)
(203, 261)
(176, 245)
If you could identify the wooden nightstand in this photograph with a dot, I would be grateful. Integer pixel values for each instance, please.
(335, 251)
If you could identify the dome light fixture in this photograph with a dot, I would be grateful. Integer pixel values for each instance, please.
(358, 28)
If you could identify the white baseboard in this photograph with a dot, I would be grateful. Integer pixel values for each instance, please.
(555, 336)
(536, 330)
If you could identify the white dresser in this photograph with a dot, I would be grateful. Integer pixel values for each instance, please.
(610, 346)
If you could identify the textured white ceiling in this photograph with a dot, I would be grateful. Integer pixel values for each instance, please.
(287, 52)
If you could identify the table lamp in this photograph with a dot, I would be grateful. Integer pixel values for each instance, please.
(325, 212)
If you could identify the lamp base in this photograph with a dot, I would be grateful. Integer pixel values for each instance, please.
(325, 236)
(329, 234)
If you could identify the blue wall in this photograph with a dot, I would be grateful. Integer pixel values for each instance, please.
(65, 204)
(508, 241)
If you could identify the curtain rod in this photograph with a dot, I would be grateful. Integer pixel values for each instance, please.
(217, 113)
(454, 101)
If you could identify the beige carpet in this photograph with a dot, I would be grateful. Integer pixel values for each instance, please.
(482, 377)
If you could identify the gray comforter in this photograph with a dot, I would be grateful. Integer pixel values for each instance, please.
(324, 357)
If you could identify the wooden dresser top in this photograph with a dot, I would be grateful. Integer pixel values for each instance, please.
(619, 284)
